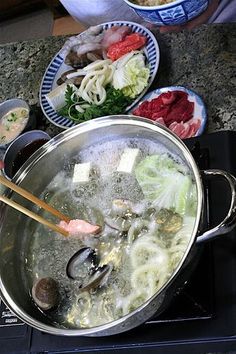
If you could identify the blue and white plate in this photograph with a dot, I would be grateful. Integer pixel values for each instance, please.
(57, 67)
(199, 106)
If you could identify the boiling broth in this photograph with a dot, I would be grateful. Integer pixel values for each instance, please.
(143, 256)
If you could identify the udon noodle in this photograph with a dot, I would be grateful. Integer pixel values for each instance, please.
(147, 214)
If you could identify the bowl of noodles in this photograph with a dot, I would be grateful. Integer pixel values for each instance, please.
(137, 195)
(168, 12)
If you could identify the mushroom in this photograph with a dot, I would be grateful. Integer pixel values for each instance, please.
(75, 80)
(76, 61)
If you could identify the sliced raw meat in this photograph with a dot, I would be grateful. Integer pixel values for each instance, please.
(144, 106)
(178, 129)
(160, 121)
(174, 109)
(156, 103)
(143, 110)
(173, 125)
(181, 111)
(181, 94)
(168, 97)
(77, 226)
(195, 125)
(143, 113)
(114, 34)
(191, 132)
(161, 113)
(185, 132)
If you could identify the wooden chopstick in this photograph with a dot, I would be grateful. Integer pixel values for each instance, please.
(32, 198)
(33, 215)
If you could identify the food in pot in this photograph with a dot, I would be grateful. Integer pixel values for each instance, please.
(77, 226)
(12, 124)
(146, 214)
(169, 221)
(45, 293)
(84, 258)
(152, 2)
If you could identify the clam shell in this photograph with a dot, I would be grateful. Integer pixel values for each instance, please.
(45, 293)
(81, 263)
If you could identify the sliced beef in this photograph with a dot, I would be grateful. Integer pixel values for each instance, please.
(170, 106)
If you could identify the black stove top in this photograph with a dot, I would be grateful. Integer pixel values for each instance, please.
(201, 317)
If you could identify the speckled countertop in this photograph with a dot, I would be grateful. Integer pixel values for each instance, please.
(203, 60)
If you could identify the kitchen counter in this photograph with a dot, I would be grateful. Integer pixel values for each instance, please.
(203, 60)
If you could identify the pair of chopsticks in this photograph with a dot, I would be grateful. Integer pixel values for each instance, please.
(37, 201)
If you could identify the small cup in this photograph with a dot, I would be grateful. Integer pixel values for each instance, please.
(21, 149)
(9, 105)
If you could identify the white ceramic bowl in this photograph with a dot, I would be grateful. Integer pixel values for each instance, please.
(174, 13)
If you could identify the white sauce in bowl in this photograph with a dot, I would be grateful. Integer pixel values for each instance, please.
(12, 124)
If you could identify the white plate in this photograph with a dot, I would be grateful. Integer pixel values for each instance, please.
(57, 67)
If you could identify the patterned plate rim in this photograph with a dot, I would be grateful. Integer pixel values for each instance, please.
(199, 100)
(57, 61)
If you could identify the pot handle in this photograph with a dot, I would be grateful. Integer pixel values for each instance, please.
(229, 221)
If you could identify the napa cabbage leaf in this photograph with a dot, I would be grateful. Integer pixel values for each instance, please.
(131, 74)
(166, 184)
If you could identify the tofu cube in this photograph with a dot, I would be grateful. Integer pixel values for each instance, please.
(128, 160)
(81, 172)
(56, 97)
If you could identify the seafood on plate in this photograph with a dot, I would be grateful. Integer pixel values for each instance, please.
(92, 44)
(109, 71)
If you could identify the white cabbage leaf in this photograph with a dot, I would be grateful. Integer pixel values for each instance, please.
(165, 183)
(131, 74)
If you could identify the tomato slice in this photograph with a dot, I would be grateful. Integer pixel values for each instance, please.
(131, 42)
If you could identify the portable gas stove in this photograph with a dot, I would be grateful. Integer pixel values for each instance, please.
(201, 317)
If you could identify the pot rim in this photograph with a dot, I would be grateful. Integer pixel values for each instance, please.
(67, 135)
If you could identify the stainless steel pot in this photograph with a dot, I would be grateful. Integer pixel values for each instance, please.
(36, 174)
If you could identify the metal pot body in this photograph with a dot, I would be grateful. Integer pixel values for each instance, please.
(37, 173)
